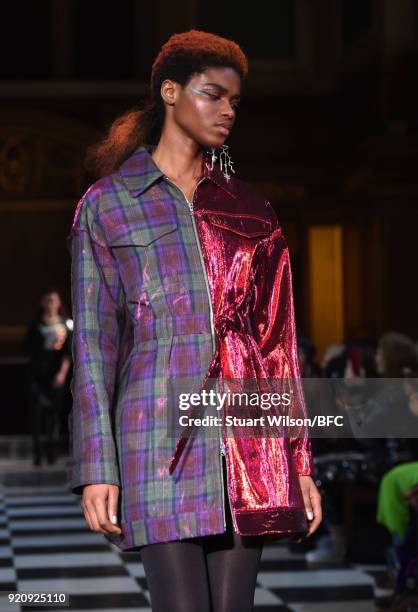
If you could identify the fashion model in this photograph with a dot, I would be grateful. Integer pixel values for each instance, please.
(180, 271)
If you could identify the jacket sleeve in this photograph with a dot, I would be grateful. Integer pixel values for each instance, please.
(273, 326)
(97, 306)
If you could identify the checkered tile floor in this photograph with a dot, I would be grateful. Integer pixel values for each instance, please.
(45, 545)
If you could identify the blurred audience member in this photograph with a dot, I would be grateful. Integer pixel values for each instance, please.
(333, 351)
(395, 355)
(47, 342)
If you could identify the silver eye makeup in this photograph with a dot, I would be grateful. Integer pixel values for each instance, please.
(235, 105)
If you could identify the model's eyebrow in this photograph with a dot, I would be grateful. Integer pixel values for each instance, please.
(221, 87)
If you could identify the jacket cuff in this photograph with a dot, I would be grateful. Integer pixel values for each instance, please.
(303, 463)
(81, 474)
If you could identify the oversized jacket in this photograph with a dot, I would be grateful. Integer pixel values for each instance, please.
(165, 290)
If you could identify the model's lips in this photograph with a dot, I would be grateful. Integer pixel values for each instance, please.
(225, 128)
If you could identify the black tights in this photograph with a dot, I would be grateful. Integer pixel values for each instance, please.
(212, 573)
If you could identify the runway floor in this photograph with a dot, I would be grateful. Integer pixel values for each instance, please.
(45, 545)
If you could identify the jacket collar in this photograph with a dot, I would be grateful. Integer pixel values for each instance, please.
(139, 172)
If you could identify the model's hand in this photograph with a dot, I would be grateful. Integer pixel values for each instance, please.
(100, 502)
(312, 500)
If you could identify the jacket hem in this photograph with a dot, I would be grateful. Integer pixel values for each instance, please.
(167, 528)
(280, 521)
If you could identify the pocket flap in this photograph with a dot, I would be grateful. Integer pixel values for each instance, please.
(242, 224)
(140, 235)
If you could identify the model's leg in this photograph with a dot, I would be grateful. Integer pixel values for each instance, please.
(233, 562)
(233, 573)
(177, 576)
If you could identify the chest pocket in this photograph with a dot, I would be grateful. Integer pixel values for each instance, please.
(143, 252)
(234, 238)
(246, 225)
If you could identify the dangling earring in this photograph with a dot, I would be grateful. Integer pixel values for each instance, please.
(225, 161)
(214, 158)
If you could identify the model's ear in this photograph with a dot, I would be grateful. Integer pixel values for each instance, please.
(169, 91)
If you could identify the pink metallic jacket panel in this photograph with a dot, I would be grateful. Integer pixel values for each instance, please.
(248, 269)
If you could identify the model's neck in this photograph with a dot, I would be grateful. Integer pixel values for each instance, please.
(177, 159)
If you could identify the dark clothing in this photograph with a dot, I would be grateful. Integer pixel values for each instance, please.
(45, 419)
(46, 346)
(45, 360)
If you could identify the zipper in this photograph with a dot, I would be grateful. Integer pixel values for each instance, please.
(190, 206)
(223, 454)
(223, 494)
(227, 490)
(202, 261)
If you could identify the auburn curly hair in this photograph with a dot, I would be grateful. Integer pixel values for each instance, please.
(183, 55)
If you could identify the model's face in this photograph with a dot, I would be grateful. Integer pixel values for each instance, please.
(51, 303)
(208, 100)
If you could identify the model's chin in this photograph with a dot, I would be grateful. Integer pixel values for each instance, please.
(214, 143)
